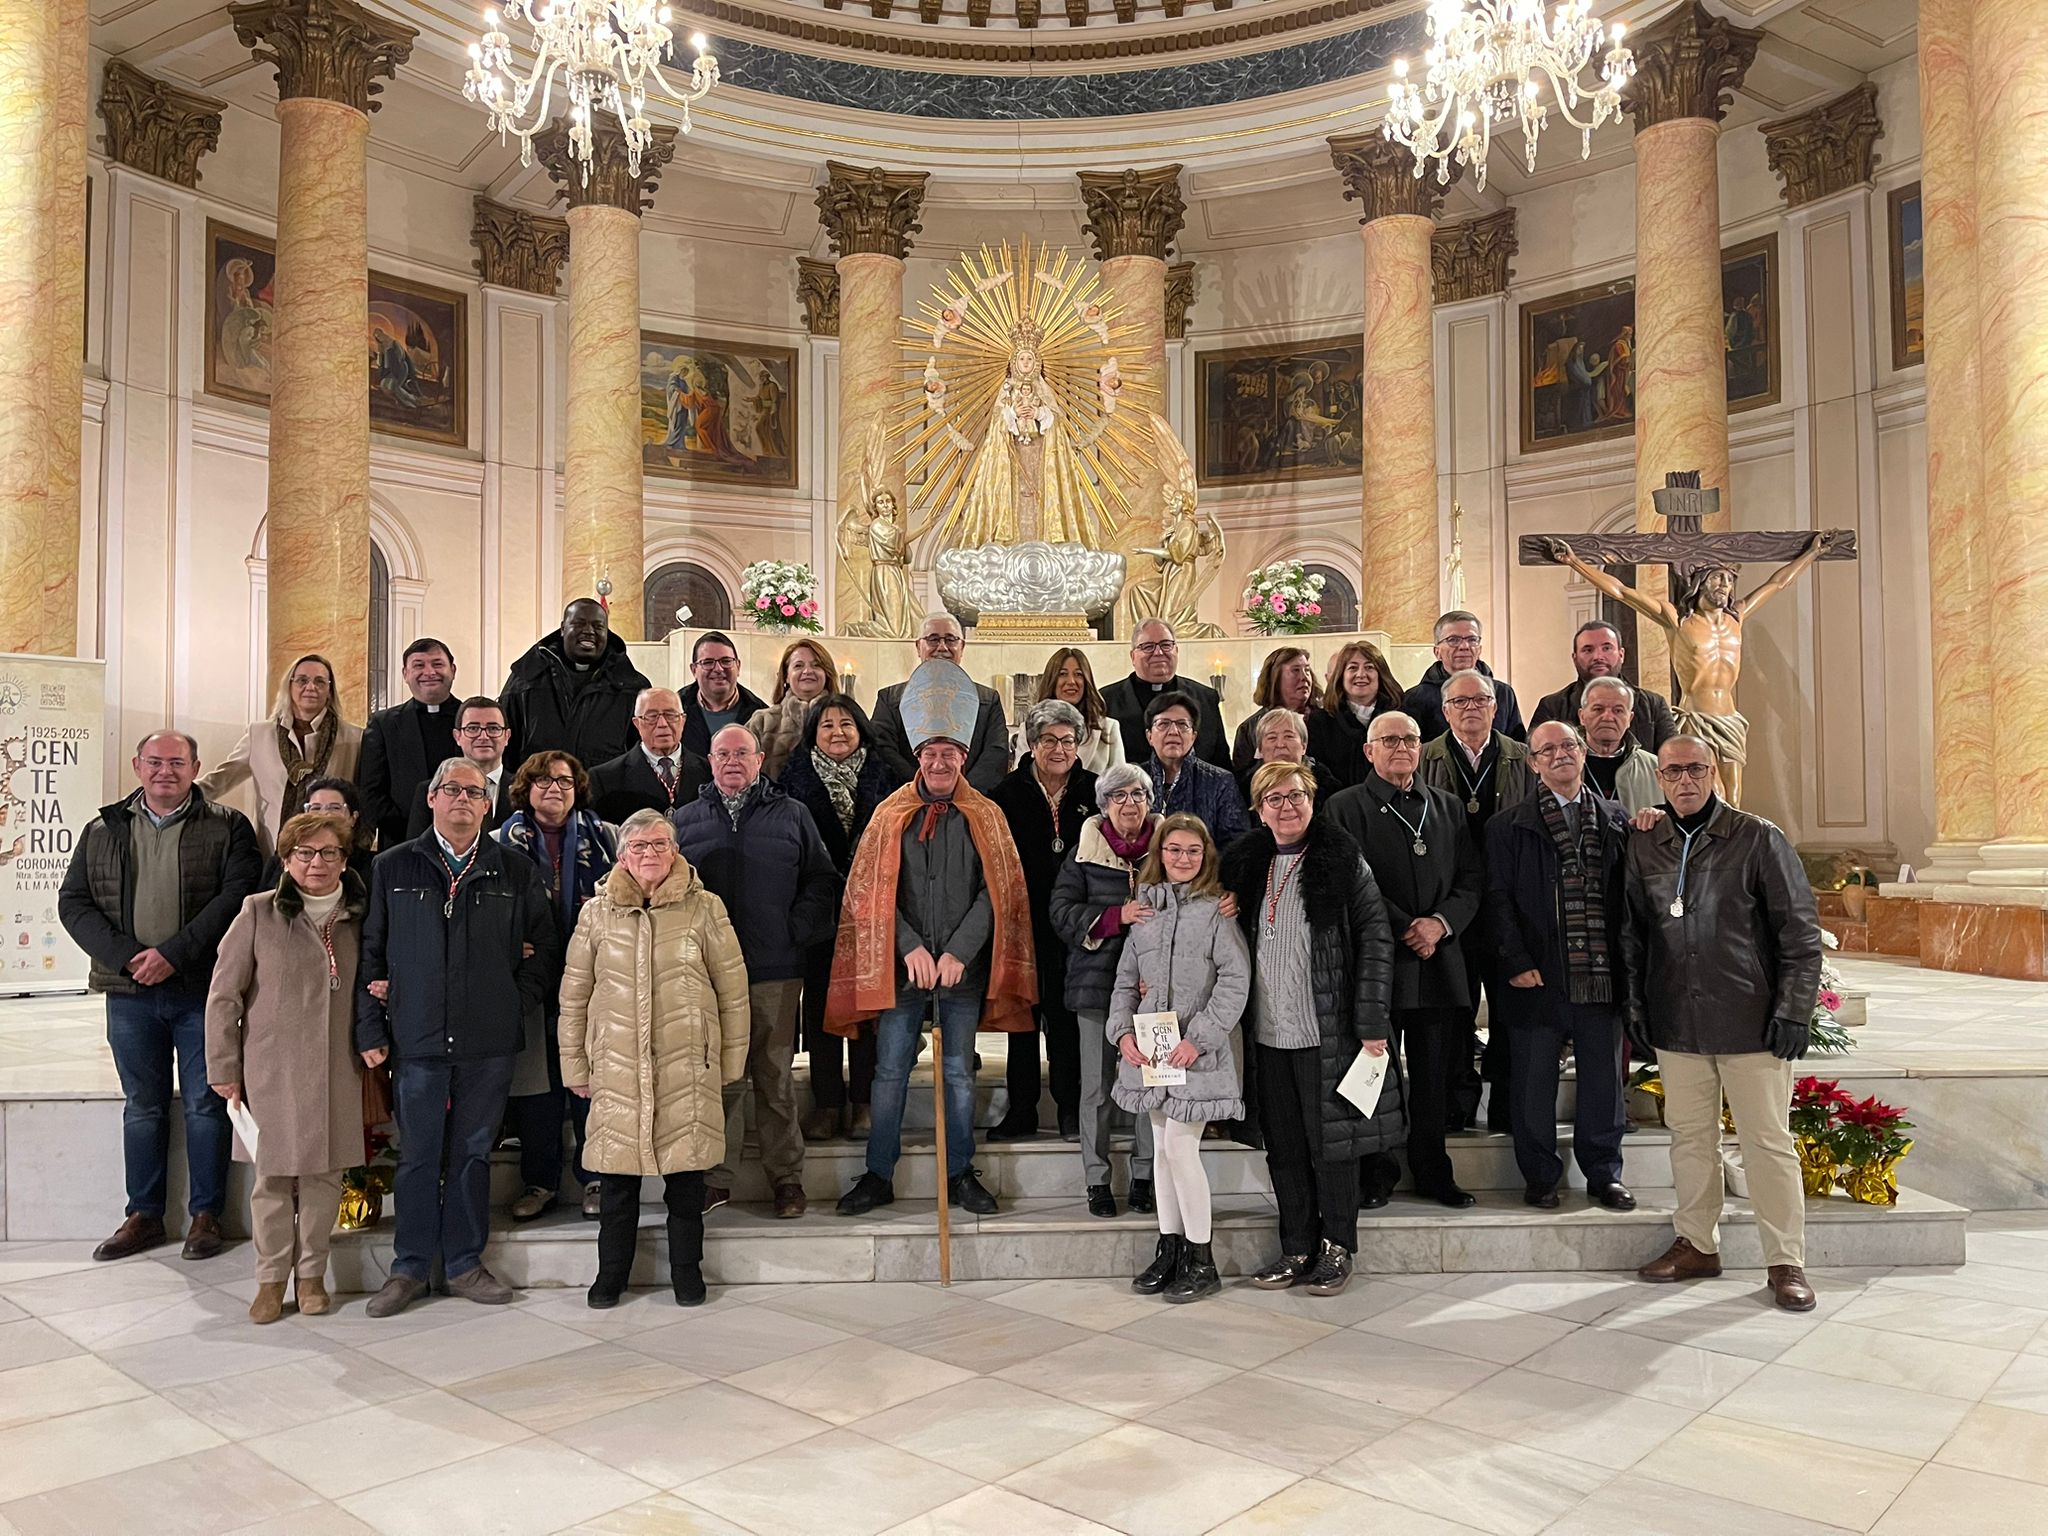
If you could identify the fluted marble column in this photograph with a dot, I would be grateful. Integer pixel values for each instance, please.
(27, 212)
(2008, 84)
(1133, 216)
(329, 55)
(869, 215)
(1957, 546)
(1398, 555)
(603, 525)
(1688, 64)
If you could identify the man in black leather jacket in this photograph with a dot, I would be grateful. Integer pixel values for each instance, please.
(1721, 946)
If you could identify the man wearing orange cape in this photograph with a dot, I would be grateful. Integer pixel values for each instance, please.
(935, 920)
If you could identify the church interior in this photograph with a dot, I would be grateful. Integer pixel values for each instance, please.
(1063, 319)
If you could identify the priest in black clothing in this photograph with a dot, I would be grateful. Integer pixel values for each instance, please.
(1430, 877)
(404, 744)
(657, 773)
(1155, 662)
(573, 691)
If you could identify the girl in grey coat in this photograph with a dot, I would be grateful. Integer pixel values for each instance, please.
(1188, 959)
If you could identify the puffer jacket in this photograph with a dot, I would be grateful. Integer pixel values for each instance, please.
(1744, 950)
(1092, 881)
(654, 1023)
(1194, 963)
(1351, 972)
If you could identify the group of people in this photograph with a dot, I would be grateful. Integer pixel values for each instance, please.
(607, 908)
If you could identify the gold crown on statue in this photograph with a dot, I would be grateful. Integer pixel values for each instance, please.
(1025, 333)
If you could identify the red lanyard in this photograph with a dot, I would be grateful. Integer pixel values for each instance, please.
(1273, 896)
(327, 943)
(455, 877)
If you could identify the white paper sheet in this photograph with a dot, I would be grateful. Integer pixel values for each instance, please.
(1362, 1080)
(244, 1124)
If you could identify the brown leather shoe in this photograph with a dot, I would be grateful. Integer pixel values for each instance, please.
(789, 1201)
(313, 1298)
(1681, 1261)
(268, 1306)
(202, 1238)
(1789, 1288)
(137, 1234)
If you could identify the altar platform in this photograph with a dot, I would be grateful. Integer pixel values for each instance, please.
(1967, 1056)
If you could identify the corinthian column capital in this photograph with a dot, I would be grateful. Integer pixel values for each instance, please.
(1133, 212)
(1827, 150)
(332, 50)
(611, 182)
(156, 128)
(1689, 63)
(870, 211)
(1380, 174)
(517, 249)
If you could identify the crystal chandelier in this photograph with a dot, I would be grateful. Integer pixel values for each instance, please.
(1484, 61)
(607, 53)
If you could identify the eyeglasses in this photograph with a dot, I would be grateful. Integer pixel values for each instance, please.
(667, 716)
(1469, 701)
(1674, 772)
(564, 781)
(733, 755)
(1172, 727)
(941, 642)
(1286, 800)
(1157, 647)
(1561, 749)
(714, 664)
(158, 764)
(1180, 854)
(1410, 742)
(464, 792)
(1059, 743)
(1460, 642)
(316, 856)
(472, 732)
(645, 850)
(1130, 797)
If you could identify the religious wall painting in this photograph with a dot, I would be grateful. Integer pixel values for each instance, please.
(1908, 274)
(415, 345)
(717, 411)
(1275, 413)
(1579, 351)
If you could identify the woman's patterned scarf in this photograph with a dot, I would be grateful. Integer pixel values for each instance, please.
(840, 781)
(588, 853)
(300, 769)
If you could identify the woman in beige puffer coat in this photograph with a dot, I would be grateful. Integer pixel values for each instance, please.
(654, 1023)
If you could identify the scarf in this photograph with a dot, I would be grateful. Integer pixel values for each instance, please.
(589, 851)
(840, 781)
(864, 957)
(1583, 897)
(1133, 850)
(933, 810)
(300, 769)
(734, 804)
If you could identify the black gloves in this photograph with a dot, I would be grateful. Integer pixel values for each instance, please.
(1787, 1039)
(1637, 1027)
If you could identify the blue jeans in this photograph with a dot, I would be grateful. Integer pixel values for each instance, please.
(144, 1030)
(448, 1114)
(896, 1035)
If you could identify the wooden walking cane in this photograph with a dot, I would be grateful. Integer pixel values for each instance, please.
(939, 1121)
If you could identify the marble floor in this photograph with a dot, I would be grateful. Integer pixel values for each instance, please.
(136, 1396)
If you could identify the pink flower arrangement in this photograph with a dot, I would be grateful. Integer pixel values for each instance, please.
(1830, 999)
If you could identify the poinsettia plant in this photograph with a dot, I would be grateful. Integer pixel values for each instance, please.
(782, 595)
(1867, 1131)
(1815, 1103)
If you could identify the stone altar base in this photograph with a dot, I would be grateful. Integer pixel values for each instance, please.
(1981, 930)
(1230, 665)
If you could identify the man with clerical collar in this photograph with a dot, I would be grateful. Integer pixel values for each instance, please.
(480, 735)
(1457, 645)
(940, 638)
(405, 743)
(759, 852)
(658, 773)
(1430, 876)
(466, 929)
(1615, 765)
(1155, 670)
(1554, 909)
(1597, 652)
(1483, 771)
(716, 698)
(573, 691)
(1721, 946)
(935, 921)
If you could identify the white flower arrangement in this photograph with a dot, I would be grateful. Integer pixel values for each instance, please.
(1283, 599)
(781, 595)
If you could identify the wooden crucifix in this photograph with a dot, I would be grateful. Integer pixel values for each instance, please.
(1704, 616)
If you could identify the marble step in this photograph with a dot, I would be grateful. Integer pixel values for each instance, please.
(1048, 1168)
(1047, 1238)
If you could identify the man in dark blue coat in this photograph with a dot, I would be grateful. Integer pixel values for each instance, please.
(759, 852)
(457, 947)
(1554, 913)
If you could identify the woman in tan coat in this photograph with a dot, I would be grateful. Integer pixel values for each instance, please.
(271, 769)
(805, 675)
(654, 1025)
(280, 1018)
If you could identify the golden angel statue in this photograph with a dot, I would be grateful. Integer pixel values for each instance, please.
(1021, 422)
(876, 547)
(1189, 552)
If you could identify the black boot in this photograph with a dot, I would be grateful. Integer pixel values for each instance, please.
(618, 1234)
(686, 1256)
(1164, 1266)
(1197, 1277)
(1140, 1198)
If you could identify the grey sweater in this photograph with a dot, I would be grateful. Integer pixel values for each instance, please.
(1284, 1006)
(942, 901)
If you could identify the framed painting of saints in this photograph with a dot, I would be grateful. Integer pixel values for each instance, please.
(415, 345)
(717, 411)
(1579, 366)
(1272, 413)
(1749, 322)
(1909, 277)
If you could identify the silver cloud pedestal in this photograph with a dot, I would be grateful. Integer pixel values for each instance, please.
(1033, 592)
